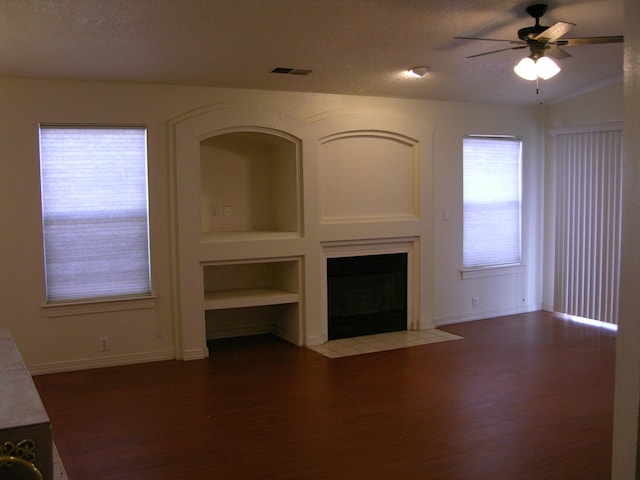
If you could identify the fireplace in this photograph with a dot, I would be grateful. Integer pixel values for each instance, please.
(366, 294)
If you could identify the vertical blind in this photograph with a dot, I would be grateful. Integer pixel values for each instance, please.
(588, 224)
(491, 225)
(94, 203)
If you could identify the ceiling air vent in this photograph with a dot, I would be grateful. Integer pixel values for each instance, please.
(291, 71)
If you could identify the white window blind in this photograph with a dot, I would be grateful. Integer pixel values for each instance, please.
(588, 224)
(491, 176)
(95, 221)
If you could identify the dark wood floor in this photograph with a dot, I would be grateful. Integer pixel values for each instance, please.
(521, 397)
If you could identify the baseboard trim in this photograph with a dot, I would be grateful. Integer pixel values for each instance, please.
(111, 361)
(194, 354)
(288, 336)
(241, 331)
(469, 317)
(315, 341)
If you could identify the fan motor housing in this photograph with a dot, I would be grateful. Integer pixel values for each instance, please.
(536, 11)
(529, 33)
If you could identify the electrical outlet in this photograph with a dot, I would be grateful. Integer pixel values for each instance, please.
(474, 302)
(104, 343)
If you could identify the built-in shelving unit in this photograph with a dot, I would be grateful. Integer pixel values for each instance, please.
(238, 294)
(250, 192)
(250, 185)
(257, 221)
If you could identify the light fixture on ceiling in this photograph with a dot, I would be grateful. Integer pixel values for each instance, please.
(419, 71)
(534, 67)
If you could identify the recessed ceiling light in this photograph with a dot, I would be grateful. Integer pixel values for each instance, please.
(420, 71)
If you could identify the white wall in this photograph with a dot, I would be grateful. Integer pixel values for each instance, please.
(500, 294)
(601, 105)
(61, 343)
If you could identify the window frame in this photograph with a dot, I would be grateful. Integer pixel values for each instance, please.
(506, 268)
(56, 308)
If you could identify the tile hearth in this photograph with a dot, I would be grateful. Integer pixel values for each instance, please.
(345, 347)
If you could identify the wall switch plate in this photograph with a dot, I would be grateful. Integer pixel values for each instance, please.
(226, 211)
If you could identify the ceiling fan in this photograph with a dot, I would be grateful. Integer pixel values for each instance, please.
(543, 42)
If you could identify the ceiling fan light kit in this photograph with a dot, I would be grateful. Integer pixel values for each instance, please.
(543, 42)
(532, 69)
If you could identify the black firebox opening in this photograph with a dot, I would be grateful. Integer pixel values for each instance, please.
(367, 294)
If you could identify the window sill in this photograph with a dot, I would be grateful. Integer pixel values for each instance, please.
(99, 306)
(491, 271)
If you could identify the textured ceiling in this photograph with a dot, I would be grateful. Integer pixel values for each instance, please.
(358, 47)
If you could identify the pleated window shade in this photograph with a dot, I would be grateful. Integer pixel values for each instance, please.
(492, 201)
(588, 224)
(95, 216)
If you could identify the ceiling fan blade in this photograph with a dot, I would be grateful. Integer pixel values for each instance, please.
(572, 42)
(488, 39)
(496, 51)
(556, 52)
(554, 32)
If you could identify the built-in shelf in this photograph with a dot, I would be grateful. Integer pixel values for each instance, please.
(244, 297)
(248, 298)
(239, 236)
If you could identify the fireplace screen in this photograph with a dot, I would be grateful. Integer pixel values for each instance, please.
(367, 294)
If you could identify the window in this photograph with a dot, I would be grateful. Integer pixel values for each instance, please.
(95, 220)
(491, 201)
